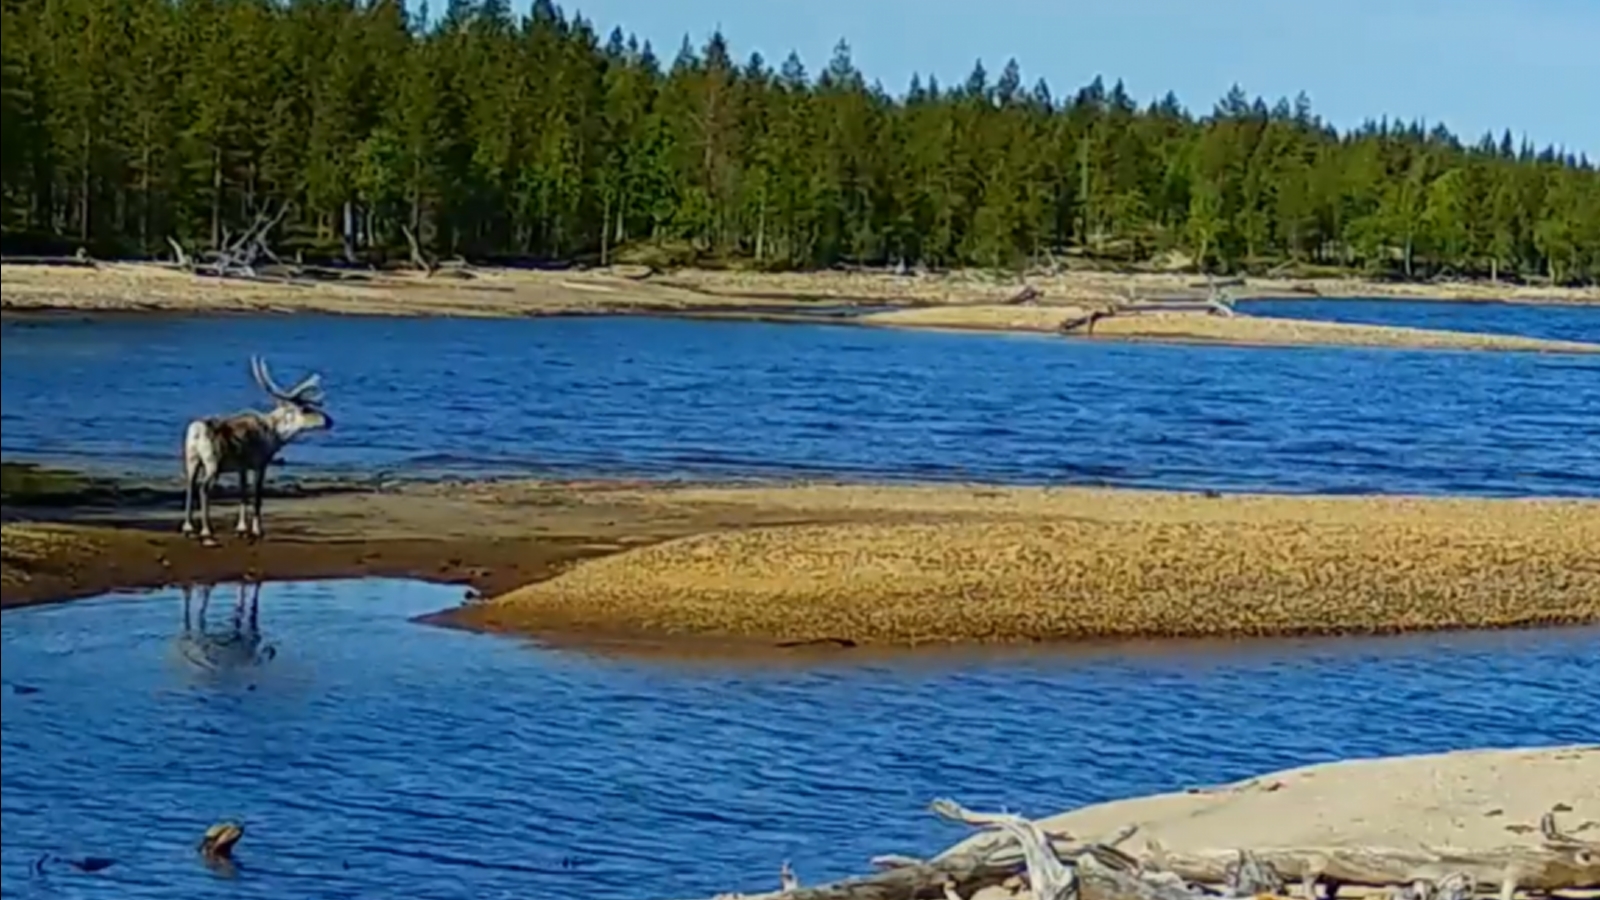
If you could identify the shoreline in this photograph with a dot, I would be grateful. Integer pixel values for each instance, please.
(1513, 819)
(1098, 285)
(963, 302)
(747, 569)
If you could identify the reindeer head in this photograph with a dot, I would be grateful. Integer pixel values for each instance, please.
(299, 408)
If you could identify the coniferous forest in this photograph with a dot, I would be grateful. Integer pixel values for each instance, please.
(482, 134)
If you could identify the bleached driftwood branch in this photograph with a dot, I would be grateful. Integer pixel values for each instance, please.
(178, 253)
(238, 255)
(1016, 847)
(418, 258)
(1218, 304)
(1048, 877)
(1057, 867)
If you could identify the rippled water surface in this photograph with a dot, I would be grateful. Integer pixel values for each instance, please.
(375, 757)
(661, 397)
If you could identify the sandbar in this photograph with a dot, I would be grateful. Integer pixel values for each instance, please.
(1196, 328)
(863, 565)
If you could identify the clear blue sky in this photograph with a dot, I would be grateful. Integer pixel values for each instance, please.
(1529, 65)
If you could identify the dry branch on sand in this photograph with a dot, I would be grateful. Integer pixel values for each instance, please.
(238, 255)
(1218, 303)
(1055, 866)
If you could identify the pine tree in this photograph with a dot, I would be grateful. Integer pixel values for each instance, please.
(127, 123)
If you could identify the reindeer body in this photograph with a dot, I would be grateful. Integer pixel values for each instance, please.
(245, 443)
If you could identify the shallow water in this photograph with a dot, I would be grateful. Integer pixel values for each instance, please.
(378, 757)
(663, 398)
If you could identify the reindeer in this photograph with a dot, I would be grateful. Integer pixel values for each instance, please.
(246, 443)
(239, 646)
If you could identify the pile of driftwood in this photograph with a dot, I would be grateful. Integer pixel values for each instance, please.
(1218, 302)
(242, 255)
(1016, 857)
(239, 253)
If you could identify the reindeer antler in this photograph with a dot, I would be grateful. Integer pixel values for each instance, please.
(258, 371)
(308, 390)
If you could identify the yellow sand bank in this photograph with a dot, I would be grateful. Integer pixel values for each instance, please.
(1199, 327)
(1469, 800)
(935, 564)
(124, 287)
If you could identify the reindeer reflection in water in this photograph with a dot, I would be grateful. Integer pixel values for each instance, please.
(237, 647)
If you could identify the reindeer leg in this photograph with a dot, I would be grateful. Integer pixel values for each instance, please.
(190, 484)
(243, 527)
(207, 482)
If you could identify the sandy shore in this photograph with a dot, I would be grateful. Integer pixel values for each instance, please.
(1094, 287)
(1188, 327)
(1478, 805)
(490, 293)
(872, 566)
(957, 302)
(1470, 800)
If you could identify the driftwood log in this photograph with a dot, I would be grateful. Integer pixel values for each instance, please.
(1028, 296)
(1219, 303)
(1059, 867)
(1086, 322)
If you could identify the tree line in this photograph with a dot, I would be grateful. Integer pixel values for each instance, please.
(486, 135)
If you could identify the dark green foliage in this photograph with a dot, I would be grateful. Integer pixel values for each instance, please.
(128, 122)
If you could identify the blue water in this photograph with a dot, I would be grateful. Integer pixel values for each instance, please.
(668, 398)
(1564, 323)
(375, 757)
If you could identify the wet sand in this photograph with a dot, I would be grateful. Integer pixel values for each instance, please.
(956, 302)
(713, 567)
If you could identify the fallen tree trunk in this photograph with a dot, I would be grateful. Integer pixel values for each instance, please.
(1086, 322)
